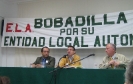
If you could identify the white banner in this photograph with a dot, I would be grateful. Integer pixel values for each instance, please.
(92, 31)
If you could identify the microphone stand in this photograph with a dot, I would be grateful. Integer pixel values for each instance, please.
(56, 69)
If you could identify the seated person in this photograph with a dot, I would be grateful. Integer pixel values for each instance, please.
(70, 59)
(113, 60)
(45, 60)
(129, 73)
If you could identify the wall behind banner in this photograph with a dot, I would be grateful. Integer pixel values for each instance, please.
(0, 36)
(22, 57)
(7, 10)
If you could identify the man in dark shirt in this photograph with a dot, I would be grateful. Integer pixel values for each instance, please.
(45, 60)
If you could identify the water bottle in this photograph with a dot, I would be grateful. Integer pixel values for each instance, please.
(43, 63)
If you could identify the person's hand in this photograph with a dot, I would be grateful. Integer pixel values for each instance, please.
(33, 65)
(125, 83)
(38, 65)
(116, 63)
(111, 62)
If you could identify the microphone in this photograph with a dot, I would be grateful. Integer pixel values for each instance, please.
(91, 55)
(64, 56)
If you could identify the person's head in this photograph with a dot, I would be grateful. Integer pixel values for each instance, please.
(70, 50)
(129, 73)
(45, 51)
(4, 80)
(0, 80)
(110, 49)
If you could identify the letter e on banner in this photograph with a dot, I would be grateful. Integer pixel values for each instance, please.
(8, 26)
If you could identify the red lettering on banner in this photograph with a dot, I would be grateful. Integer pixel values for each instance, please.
(28, 28)
(8, 26)
(16, 28)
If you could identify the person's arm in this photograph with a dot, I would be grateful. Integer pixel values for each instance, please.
(62, 62)
(52, 63)
(105, 64)
(36, 63)
(78, 63)
(122, 61)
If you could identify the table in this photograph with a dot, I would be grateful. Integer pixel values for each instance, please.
(19, 75)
